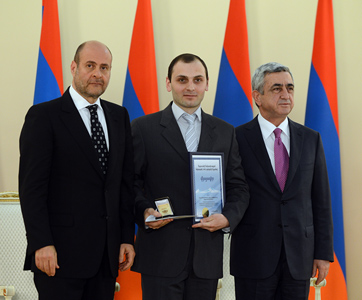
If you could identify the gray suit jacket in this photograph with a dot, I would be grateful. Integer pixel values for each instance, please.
(162, 169)
(300, 217)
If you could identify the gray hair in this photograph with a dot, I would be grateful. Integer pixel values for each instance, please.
(257, 81)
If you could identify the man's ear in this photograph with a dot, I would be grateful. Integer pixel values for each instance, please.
(168, 85)
(73, 67)
(256, 97)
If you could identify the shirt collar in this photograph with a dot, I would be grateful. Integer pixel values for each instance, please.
(79, 101)
(268, 128)
(178, 111)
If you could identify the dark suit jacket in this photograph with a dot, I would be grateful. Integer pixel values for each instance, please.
(300, 217)
(65, 199)
(163, 169)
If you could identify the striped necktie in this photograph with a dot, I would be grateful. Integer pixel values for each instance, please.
(190, 137)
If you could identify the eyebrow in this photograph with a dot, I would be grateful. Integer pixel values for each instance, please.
(279, 84)
(184, 76)
(93, 62)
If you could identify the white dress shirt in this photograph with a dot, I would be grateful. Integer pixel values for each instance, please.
(183, 124)
(267, 130)
(81, 104)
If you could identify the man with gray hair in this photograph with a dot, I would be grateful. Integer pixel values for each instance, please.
(286, 234)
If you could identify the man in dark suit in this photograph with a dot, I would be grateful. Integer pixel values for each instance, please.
(78, 206)
(179, 260)
(286, 234)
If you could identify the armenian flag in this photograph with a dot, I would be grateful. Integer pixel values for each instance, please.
(49, 76)
(140, 98)
(322, 116)
(233, 101)
(140, 91)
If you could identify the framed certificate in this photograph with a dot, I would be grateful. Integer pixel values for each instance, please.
(207, 183)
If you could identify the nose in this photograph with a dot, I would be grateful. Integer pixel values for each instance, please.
(284, 93)
(190, 86)
(97, 73)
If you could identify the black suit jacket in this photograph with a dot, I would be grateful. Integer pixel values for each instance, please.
(300, 217)
(163, 169)
(66, 201)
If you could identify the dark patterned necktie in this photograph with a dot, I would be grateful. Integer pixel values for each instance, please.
(98, 138)
(281, 159)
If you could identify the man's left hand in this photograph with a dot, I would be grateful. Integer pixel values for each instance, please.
(213, 223)
(126, 256)
(323, 267)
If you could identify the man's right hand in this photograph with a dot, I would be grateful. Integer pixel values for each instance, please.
(46, 260)
(155, 224)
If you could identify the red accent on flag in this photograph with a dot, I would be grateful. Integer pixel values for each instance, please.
(141, 62)
(130, 283)
(130, 286)
(336, 287)
(143, 75)
(50, 40)
(236, 45)
(233, 100)
(324, 64)
(323, 50)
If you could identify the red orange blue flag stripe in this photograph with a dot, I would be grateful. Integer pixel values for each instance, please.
(140, 98)
(322, 116)
(140, 92)
(49, 77)
(233, 101)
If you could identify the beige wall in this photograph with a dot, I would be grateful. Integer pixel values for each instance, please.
(279, 30)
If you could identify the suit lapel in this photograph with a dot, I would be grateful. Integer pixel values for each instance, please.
(207, 137)
(296, 143)
(172, 134)
(73, 121)
(255, 140)
(113, 137)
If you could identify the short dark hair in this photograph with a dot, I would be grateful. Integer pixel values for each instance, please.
(186, 58)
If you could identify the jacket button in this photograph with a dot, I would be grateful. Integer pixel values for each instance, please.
(284, 202)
